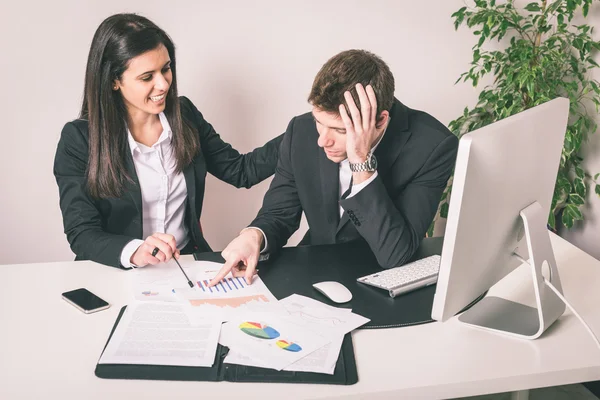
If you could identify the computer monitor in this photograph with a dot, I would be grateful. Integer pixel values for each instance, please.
(501, 196)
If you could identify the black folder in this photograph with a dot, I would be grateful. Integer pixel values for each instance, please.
(345, 370)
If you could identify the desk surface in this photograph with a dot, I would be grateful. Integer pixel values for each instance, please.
(48, 349)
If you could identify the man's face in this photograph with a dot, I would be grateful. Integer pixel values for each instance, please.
(332, 134)
(146, 82)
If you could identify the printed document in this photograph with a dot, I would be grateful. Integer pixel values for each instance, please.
(162, 334)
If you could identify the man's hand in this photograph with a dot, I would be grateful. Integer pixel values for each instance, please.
(361, 131)
(241, 256)
(166, 245)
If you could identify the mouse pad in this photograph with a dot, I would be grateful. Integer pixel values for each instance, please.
(295, 269)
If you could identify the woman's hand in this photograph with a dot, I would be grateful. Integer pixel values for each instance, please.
(146, 254)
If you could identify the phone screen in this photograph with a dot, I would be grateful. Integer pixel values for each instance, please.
(85, 300)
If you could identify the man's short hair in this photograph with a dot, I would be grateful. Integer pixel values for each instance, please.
(343, 71)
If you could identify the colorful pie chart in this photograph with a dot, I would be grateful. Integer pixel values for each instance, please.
(289, 346)
(259, 330)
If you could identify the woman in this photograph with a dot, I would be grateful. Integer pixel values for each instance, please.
(134, 165)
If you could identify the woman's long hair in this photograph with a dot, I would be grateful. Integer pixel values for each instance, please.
(118, 39)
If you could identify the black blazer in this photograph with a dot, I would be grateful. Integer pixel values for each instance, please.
(99, 229)
(392, 214)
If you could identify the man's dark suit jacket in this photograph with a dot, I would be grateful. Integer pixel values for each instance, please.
(99, 229)
(392, 214)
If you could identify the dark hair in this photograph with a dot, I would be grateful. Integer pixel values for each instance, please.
(118, 39)
(343, 71)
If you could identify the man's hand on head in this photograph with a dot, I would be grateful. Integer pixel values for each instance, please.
(361, 125)
(241, 256)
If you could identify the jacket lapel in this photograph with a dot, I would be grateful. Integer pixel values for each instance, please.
(134, 188)
(190, 181)
(329, 173)
(345, 218)
(189, 173)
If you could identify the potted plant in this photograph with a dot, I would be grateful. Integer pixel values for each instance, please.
(545, 56)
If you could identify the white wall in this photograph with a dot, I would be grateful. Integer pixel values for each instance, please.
(247, 65)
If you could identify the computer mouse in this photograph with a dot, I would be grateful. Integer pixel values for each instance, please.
(335, 291)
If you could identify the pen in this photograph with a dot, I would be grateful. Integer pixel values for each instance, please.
(155, 251)
(184, 274)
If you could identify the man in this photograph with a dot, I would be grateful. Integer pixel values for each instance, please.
(361, 165)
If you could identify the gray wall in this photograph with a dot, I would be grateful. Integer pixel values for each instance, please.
(248, 66)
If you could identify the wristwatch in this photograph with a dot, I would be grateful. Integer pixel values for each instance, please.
(370, 165)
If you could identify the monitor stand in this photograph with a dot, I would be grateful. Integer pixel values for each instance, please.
(505, 316)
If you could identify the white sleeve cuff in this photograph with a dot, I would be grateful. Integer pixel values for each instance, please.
(128, 251)
(362, 185)
(264, 248)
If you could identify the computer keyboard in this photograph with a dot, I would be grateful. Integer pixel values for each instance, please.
(407, 277)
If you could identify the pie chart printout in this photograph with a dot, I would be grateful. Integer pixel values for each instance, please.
(289, 346)
(258, 330)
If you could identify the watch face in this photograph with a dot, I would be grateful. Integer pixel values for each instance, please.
(372, 163)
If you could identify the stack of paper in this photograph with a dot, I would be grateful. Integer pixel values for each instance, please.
(171, 324)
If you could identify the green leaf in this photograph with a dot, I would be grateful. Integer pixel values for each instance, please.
(596, 176)
(571, 213)
(481, 40)
(573, 210)
(552, 221)
(567, 220)
(533, 7)
(553, 7)
(576, 199)
(444, 210)
(459, 12)
(579, 187)
(530, 87)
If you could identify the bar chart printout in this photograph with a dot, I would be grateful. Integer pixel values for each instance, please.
(232, 293)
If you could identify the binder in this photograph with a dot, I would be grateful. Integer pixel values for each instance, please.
(345, 369)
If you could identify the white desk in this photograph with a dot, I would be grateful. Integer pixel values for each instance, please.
(49, 349)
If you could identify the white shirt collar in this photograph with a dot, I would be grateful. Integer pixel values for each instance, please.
(167, 134)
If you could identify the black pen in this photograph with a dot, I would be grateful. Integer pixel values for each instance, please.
(184, 274)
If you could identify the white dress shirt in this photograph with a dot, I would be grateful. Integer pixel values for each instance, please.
(163, 190)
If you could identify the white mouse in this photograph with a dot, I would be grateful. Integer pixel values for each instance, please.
(335, 291)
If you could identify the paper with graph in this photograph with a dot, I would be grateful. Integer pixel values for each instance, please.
(232, 296)
(269, 339)
(307, 315)
(165, 282)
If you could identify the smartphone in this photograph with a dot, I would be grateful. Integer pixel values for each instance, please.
(85, 300)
